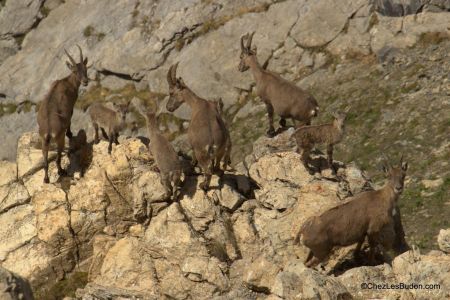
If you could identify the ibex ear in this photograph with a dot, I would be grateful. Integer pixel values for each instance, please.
(85, 61)
(404, 166)
(385, 169)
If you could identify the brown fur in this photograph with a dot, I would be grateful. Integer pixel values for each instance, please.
(108, 119)
(280, 96)
(330, 134)
(370, 214)
(165, 157)
(207, 133)
(55, 111)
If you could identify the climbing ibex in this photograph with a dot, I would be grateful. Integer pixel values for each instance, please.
(280, 96)
(108, 119)
(371, 214)
(55, 111)
(329, 134)
(165, 157)
(207, 133)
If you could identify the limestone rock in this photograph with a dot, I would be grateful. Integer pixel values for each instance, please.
(298, 281)
(17, 17)
(444, 240)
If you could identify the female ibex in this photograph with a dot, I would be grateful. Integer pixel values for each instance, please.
(55, 111)
(372, 214)
(280, 96)
(166, 158)
(207, 133)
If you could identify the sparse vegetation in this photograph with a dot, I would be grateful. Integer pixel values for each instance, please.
(64, 288)
(89, 31)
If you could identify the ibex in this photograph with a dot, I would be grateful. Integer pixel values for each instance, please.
(280, 96)
(55, 111)
(207, 133)
(165, 156)
(112, 120)
(371, 214)
(329, 134)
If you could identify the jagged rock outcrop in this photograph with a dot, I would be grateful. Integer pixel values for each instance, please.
(235, 241)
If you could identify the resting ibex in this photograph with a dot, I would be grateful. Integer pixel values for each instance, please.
(280, 96)
(207, 133)
(111, 120)
(330, 134)
(166, 158)
(55, 111)
(371, 214)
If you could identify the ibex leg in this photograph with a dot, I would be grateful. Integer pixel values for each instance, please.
(60, 148)
(271, 131)
(330, 157)
(96, 140)
(69, 133)
(111, 140)
(45, 145)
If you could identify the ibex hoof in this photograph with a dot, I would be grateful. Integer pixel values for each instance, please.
(62, 172)
(270, 133)
(204, 186)
(282, 122)
(46, 180)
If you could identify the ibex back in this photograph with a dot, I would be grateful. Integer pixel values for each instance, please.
(55, 111)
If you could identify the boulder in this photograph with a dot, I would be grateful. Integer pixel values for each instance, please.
(444, 240)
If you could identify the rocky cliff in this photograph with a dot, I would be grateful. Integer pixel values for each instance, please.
(110, 235)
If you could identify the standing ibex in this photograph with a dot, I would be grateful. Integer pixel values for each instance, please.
(55, 111)
(280, 96)
(330, 134)
(371, 214)
(111, 120)
(207, 133)
(166, 158)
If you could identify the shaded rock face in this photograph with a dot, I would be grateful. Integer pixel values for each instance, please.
(13, 287)
(235, 241)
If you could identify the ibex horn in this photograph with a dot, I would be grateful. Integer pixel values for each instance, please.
(81, 53)
(249, 41)
(174, 72)
(169, 76)
(242, 42)
(70, 57)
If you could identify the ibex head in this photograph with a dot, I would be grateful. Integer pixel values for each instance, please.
(396, 175)
(176, 88)
(246, 52)
(340, 116)
(122, 110)
(79, 69)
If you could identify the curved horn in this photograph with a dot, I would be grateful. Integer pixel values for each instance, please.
(70, 57)
(169, 77)
(249, 41)
(174, 72)
(242, 43)
(81, 53)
